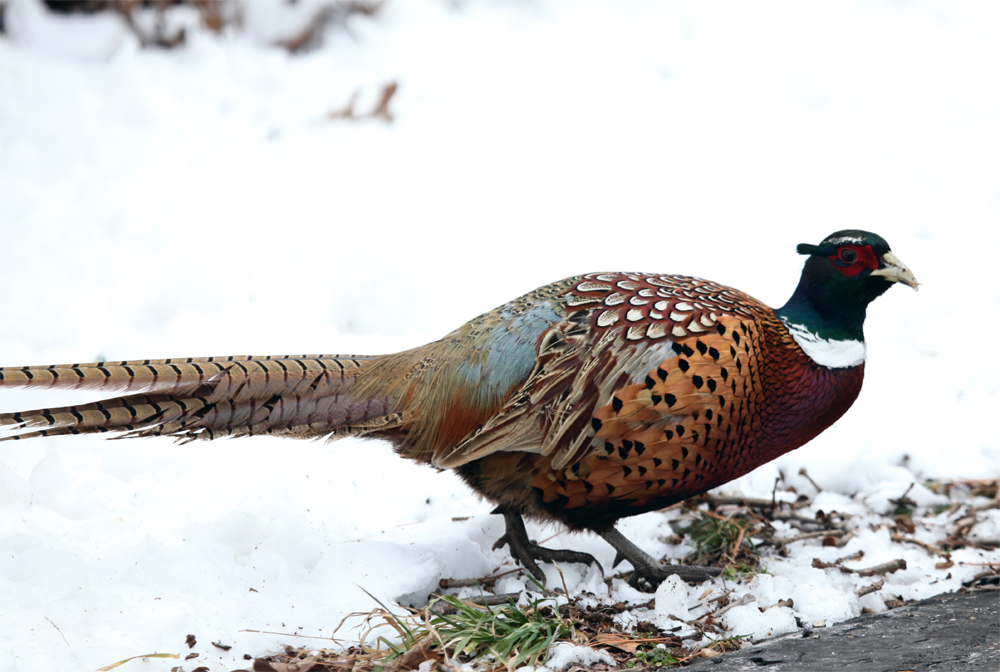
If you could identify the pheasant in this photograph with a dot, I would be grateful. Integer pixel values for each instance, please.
(598, 397)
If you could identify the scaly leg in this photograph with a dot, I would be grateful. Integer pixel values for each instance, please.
(525, 552)
(646, 566)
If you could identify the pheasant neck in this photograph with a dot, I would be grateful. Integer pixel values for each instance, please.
(830, 352)
(826, 324)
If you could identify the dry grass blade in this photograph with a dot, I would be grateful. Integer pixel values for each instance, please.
(175, 656)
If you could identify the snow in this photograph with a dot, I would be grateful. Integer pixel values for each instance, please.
(750, 622)
(672, 599)
(199, 201)
(564, 656)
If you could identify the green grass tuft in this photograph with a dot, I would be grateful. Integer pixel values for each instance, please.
(655, 657)
(716, 538)
(512, 635)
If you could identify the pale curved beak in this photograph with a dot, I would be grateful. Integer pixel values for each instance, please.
(896, 271)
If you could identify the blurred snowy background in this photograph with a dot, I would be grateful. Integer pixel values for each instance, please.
(211, 198)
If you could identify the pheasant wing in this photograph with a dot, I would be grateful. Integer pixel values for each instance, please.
(636, 355)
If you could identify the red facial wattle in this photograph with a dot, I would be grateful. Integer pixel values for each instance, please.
(863, 258)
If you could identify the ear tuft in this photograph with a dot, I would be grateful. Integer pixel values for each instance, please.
(806, 248)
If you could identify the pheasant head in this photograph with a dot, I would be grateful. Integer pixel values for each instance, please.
(842, 275)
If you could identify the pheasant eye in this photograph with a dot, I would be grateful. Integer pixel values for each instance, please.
(848, 256)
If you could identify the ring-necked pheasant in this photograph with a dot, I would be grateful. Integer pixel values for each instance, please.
(594, 398)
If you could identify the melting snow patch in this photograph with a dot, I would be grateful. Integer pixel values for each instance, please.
(565, 655)
(748, 620)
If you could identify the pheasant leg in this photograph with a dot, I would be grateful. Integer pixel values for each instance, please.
(646, 566)
(525, 552)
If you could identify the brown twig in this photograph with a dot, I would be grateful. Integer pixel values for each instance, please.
(309, 33)
(158, 38)
(746, 599)
(211, 14)
(333, 12)
(472, 583)
(809, 535)
(844, 539)
(864, 590)
(853, 557)
(886, 568)
(805, 475)
(933, 550)
(803, 519)
(780, 603)
(346, 112)
(380, 111)
(749, 502)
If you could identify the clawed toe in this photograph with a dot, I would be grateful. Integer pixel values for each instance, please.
(655, 575)
(647, 567)
(525, 552)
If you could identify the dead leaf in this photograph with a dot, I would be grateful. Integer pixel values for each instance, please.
(616, 642)
(303, 665)
(411, 659)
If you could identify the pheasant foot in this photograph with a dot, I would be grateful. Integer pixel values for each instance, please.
(525, 552)
(646, 566)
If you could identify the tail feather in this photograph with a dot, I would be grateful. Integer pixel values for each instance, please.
(205, 398)
(169, 375)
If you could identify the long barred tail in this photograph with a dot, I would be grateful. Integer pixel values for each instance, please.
(204, 398)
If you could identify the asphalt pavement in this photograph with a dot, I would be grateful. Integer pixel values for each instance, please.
(952, 632)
